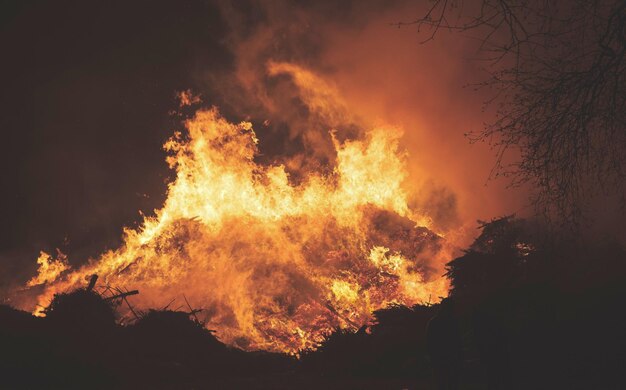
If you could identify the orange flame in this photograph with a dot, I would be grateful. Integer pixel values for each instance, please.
(49, 268)
(275, 265)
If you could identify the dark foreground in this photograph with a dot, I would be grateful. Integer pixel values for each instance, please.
(523, 314)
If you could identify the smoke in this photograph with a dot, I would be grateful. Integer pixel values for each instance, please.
(376, 74)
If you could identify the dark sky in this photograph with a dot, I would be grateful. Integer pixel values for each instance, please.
(86, 91)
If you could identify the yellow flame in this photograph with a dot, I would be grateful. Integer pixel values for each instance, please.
(275, 265)
(343, 290)
(49, 268)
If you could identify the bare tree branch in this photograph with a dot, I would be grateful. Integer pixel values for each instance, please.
(558, 72)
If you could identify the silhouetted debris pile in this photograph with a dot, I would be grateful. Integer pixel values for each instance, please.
(79, 344)
(524, 312)
(392, 349)
(528, 319)
(81, 310)
(445, 345)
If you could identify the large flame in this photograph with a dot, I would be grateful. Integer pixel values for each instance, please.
(274, 265)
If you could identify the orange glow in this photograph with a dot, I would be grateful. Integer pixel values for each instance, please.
(49, 268)
(275, 265)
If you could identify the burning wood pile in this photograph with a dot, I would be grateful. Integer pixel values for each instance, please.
(505, 313)
(277, 263)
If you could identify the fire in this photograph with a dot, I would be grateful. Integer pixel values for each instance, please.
(49, 268)
(275, 265)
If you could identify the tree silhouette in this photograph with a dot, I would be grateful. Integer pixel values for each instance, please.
(557, 72)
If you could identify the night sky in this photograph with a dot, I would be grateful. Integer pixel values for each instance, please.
(86, 91)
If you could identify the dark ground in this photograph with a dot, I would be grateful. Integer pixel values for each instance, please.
(522, 314)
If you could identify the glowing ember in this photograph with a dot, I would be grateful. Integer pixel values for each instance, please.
(275, 265)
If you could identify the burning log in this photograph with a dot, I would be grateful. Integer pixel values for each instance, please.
(122, 295)
(339, 315)
(192, 311)
(92, 282)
